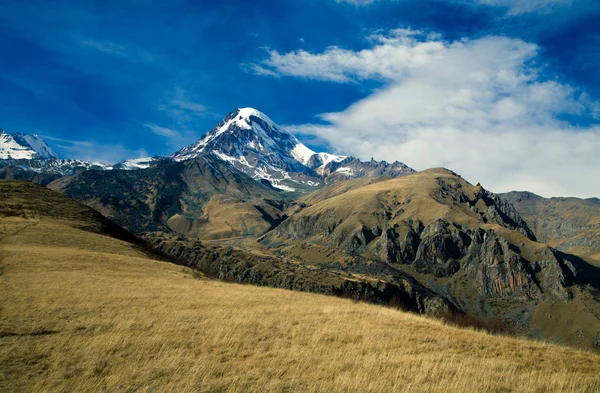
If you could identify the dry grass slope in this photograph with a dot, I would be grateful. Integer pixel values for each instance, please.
(81, 311)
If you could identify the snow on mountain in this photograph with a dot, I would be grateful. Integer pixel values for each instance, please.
(247, 139)
(252, 143)
(256, 131)
(24, 147)
(37, 144)
(137, 163)
(11, 149)
(302, 153)
(26, 153)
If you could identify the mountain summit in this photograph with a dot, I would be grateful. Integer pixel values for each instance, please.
(250, 129)
(251, 142)
(24, 147)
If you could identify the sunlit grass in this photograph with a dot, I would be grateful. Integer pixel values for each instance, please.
(83, 312)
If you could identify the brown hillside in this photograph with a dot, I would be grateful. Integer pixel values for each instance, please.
(458, 240)
(83, 311)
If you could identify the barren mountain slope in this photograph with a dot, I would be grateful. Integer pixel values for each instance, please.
(203, 197)
(568, 224)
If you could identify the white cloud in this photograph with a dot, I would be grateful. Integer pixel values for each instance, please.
(163, 131)
(181, 107)
(479, 107)
(189, 105)
(129, 52)
(391, 57)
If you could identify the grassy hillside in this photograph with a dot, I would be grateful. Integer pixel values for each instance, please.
(83, 311)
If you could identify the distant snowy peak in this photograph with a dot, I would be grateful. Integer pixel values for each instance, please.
(252, 130)
(248, 130)
(37, 144)
(137, 163)
(252, 143)
(10, 149)
(24, 147)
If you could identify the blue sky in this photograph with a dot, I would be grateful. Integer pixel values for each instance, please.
(505, 92)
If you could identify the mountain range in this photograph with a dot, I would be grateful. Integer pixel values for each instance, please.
(250, 203)
(245, 139)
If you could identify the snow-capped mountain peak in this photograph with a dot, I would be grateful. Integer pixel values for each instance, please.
(254, 144)
(24, 147)
(37, 144)
(251, 129)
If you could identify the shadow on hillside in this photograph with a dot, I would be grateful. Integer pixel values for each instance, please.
(586, 274)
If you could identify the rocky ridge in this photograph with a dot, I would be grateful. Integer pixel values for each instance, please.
(568, 224)
(460, 241)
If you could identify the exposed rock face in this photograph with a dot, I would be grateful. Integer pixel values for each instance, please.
(568, 224)
(501, 212)
(352, 167)
(460, 241)
(235, 265)
(439, 249)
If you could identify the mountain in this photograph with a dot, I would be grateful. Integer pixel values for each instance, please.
(28, 157)
(24, 147)
(246, 139)
(202, 197)
(568, 224)
(26, 201)
(251, 142)
(463, 243)
(44, 171)
(138, 163)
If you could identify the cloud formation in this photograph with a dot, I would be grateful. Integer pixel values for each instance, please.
(390, 58)
(480, 107)
(163, 131)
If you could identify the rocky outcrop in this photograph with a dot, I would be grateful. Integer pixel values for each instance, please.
(239, 266)
(352, 168)
(568, 224)
(478, 253)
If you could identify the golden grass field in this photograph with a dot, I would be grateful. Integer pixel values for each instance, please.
(83, 312)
